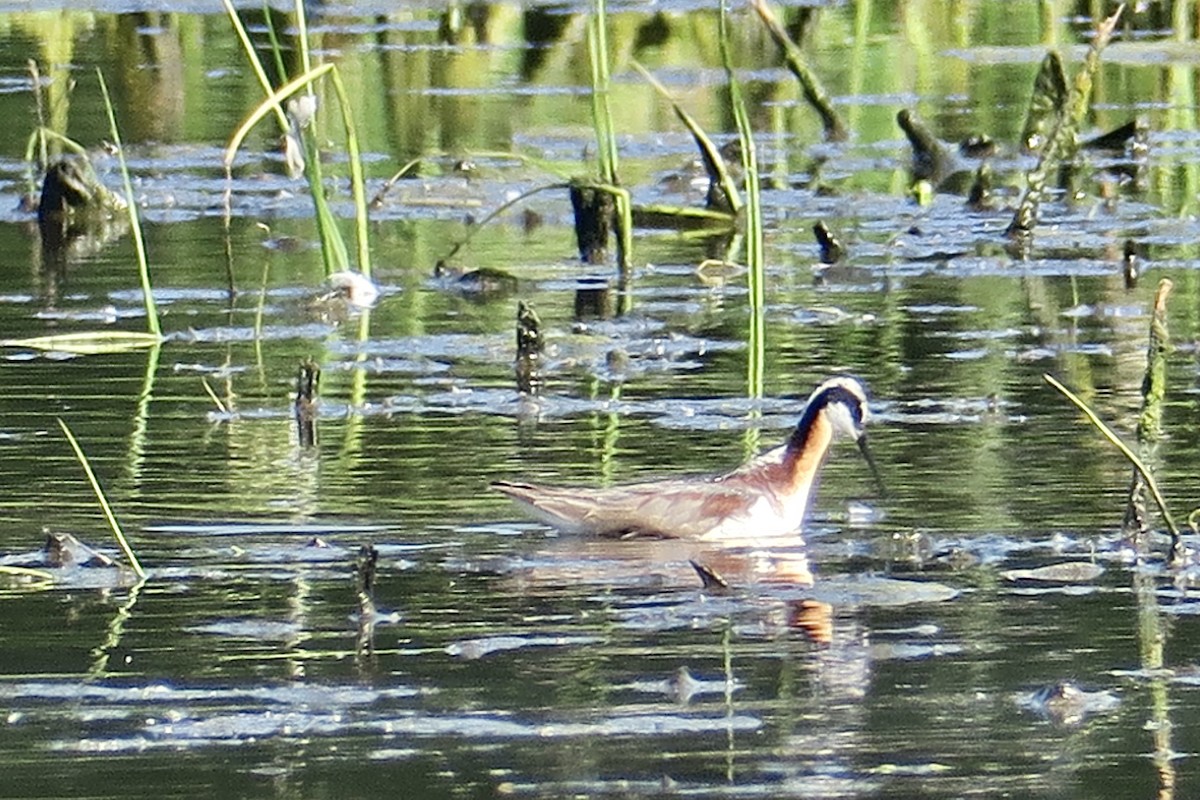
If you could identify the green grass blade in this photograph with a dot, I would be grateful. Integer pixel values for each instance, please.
(357, 182)
(1108, 433)
(814, 93)
(754, 227)
(273, 101)
(135, 224)
(39, 579)
(378, 199)
(273, 38)
(333, 246)
(714, 162)
(302, 35)
(255, 63)
(497, 212)
(88, 342)
(606, 139)
(130, 556)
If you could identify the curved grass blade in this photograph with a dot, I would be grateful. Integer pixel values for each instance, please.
(333, 248)
(714, 163)
(272, 101)
(814, 93)
(378, 198)
(496, 212)
(1108, 433)
(255, 63)
(130, 556)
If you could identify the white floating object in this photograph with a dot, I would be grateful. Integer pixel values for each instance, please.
(357, 289)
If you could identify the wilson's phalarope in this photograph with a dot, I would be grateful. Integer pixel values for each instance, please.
(764, 498)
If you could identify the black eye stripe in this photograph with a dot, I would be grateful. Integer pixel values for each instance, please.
(840, 394)
(854, 402)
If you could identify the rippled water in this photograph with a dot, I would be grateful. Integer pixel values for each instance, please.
(916, 645)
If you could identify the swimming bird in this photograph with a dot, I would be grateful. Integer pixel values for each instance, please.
(764, 498)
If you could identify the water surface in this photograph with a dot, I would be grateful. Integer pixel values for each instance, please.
(507, 660)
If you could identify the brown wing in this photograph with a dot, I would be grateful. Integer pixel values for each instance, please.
(668, 509)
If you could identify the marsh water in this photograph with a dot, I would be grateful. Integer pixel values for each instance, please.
(915, 645)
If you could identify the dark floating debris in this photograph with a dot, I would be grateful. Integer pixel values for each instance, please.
(530, 344)
(979, 145)
(1064, 703)
(930, 154)
(832, 250)
(70, 186)
(1047, 104)
(710, 578)
(940, 164)
(64, 550)
(1130, 264)
(1069, 572)
(308, 381)
(724, 169)
(1119, 140)
(593, 299)
(482, 283)
(594, 209)
(74, 206)
(979, 198)
(368, 564)
(365, 569)
(529, 332)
